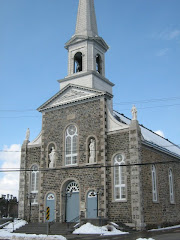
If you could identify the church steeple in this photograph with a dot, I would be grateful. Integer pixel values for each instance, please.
(86, 52)
(86, 19)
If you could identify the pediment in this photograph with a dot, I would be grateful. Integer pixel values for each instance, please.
(74, 40)
(79, 38)
(70, 94)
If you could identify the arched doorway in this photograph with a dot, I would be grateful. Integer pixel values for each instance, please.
(91, 202)
(72, 202)
(50, 202)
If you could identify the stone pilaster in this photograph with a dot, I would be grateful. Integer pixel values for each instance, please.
(42, 165)
(136, 185)
(104, 200)
(22, 181)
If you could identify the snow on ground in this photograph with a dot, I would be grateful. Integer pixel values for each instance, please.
(6, 233)
(14, 225)
(166, 228)
(88, 228)
(20, 236)
(145, 239)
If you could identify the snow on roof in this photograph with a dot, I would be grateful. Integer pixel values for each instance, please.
(36, 141)
(151, 137)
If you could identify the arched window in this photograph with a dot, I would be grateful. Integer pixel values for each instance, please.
(98, 64)
(78, 62)
(71, 139)
(171, 186)
(34, 183)
(119, 178)
(154, 184)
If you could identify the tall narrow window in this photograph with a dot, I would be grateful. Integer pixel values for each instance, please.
(78, 62)
(34, 183)
(171, 186)
(98, 64)
(154, 184)
(71, 145)
(119, 178)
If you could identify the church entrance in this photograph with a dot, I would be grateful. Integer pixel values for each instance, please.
(91, 202)
(50, 202)
(72, 202)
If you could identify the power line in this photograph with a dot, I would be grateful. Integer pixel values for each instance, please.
(149, 100)
(118, 103)
(16, 110)
(170, 105)
(22, 117)
(18, 151)
(65, 168)
(126, 109)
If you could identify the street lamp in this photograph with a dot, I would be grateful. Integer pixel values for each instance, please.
(30, 197)
(65, 194)
(98, 193)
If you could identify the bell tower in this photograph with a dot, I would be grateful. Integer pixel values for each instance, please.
(86, 52)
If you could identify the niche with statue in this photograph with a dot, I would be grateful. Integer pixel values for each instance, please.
(91, 144)
(52, 155)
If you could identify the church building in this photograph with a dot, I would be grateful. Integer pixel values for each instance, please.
(90, 162)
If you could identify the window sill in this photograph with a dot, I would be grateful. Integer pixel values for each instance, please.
(89, 164)
(70, 166)
(119, 201)
(34, 204)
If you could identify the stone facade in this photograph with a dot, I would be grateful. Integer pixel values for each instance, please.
(118, 185)
(161, 212)
(118, 211)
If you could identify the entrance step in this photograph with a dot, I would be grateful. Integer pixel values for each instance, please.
(126, 227)
(41, 228)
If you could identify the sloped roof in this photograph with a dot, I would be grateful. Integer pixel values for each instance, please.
(151, 137)
(86, 19)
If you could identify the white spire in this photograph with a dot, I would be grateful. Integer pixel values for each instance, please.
(86, 19)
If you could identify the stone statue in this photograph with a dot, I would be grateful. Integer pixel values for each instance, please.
(52, 156)
(134, 113)
(27, 134)
(92, 151)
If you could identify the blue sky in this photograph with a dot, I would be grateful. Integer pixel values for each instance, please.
(143, 62)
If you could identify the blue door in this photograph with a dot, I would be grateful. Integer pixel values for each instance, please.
(91, 201)
(50, 202)
(72, 202)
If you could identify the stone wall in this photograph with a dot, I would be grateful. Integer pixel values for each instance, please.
(161, 212)
(118, 143)
(90, 120)
(33, 156)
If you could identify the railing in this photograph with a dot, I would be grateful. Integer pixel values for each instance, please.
(76, 219)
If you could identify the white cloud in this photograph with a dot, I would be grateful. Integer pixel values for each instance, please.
(160, 133)
(162, 52)
(167, 34)
(174, 34)
(10, 158)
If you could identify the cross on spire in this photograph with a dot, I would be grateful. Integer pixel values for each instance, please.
(86, 19)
